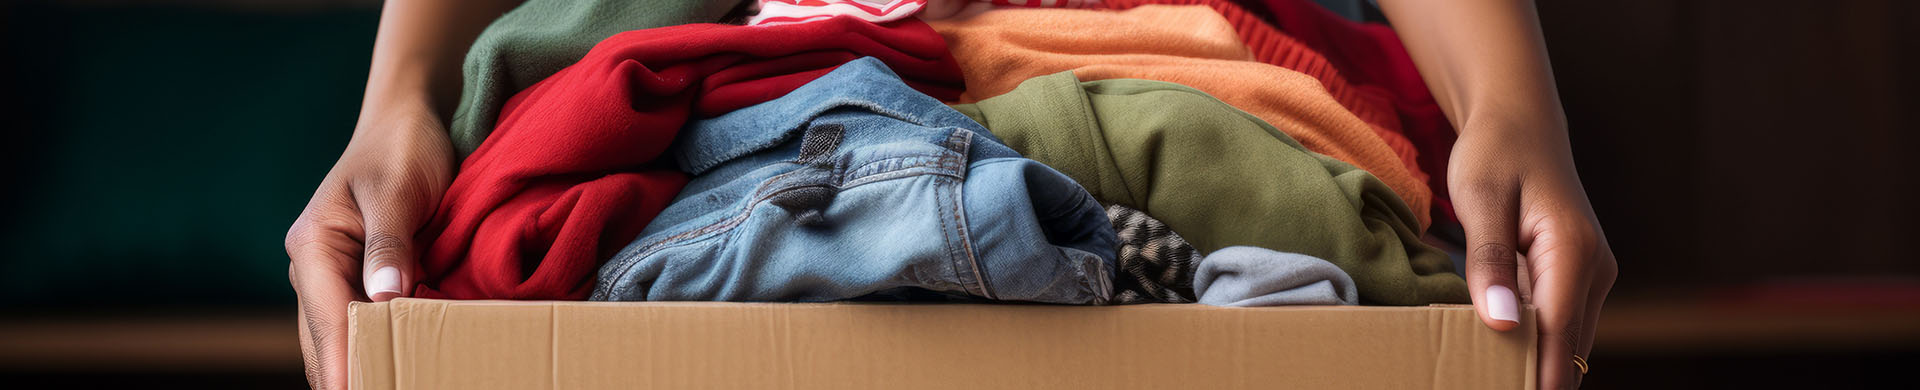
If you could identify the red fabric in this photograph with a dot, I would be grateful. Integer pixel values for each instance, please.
(1371, 54)
(569, 176)
(1363, 65)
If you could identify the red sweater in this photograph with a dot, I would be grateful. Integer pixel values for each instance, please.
(1363, 65)
(569, 176)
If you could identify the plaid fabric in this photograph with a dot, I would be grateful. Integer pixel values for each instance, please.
(1156, 265)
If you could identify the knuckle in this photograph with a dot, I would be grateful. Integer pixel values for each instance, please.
(1584, 235)
(300, 234)
(324, 218)
(1606, 271)
(1485, 184)
(1495, 254)
(385, 247)
(1493, 262)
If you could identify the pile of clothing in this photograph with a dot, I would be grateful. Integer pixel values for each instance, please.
(1051, 151)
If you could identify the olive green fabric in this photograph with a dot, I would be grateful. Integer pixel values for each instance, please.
(542, 36)
(1221, 177)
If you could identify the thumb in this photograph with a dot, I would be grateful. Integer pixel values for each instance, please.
(391, 259)
(1490, 214)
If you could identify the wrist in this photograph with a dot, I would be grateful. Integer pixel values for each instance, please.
(1514, 120)
(396, 110)
(387, 87)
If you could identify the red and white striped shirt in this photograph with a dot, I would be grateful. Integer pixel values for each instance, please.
(876, 11)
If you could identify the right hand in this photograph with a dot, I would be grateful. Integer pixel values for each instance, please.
(1517, 192)
(355, 240)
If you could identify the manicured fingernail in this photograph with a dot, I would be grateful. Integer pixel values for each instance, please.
(1501, 304)
(383, 284)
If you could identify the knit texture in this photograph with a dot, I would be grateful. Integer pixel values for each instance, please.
(569, 176)
(1221, 177)
(1156, 264)
(539, 38)
(1363, 64)
(1189, 45)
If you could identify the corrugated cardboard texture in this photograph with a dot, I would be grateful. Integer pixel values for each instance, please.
(432, 344)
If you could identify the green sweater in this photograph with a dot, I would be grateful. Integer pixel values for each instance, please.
(1221, 177)
(541, 37)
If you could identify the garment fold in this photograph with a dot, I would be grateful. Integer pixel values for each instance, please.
(856, 185)
(1363, 65)
(572, 173)
(1221, 177)
(540, 37)
(1249, 276)
(1189, 45)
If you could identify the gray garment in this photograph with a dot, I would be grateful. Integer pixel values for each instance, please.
(1251, 276)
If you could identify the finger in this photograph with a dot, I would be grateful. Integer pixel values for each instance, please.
(321, 269)
(1490, 215)
(323, 327)
(390, 257)
(1562, 280)
(1604, 271)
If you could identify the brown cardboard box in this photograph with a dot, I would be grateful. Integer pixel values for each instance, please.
(432, 344)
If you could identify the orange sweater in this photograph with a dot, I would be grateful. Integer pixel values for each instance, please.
(1190, 45)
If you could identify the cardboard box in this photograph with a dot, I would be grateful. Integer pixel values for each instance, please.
(433, 344)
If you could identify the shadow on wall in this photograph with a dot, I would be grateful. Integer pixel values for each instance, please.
(1726, 143)
(163, 148)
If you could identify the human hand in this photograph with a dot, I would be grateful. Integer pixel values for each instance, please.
(355, 240)
(1515, 189)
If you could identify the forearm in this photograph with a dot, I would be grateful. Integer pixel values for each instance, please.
(1484, 60)
(418, 51)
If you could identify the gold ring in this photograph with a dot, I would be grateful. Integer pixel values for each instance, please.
(1581, 363)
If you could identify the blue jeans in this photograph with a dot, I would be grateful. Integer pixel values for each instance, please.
(856, 184)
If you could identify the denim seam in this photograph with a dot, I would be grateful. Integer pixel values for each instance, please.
(903, 162)
(703, 165)
(760, 195)
(959, 142)
(956, 258)
(1093, 281)
(767, 190)
(896, 174)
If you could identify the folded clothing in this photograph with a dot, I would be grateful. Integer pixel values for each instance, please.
(1272, 47)
(1249, 276)
(1189, 45)
(1221, 177)
(854, 185)
(539, 38)
(1158, 266)
(1363, 64)
(567, 179)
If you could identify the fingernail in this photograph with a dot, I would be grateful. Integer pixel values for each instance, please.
(383, 284)
(1501, 304)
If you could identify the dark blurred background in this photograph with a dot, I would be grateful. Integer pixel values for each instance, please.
(1749, 159)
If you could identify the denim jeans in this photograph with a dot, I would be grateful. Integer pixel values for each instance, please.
(856, 184)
